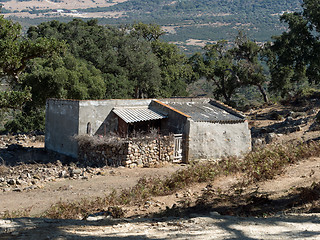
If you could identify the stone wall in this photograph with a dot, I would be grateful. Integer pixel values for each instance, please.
(144, 152)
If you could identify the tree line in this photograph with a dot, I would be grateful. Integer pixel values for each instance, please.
(84, 60)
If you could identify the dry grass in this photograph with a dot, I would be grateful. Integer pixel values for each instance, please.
(110, 140)
(116, 141)
(267, 162)
(4, 170)
(16, 214)
(63, 4)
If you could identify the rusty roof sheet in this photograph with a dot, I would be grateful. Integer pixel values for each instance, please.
(137, 114)
(205, 112)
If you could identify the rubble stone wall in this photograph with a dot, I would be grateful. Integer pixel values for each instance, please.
(131, 153)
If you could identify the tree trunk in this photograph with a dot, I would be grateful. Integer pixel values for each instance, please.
(136, 92)
(263, 93)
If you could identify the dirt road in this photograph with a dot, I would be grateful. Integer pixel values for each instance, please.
(211, 226)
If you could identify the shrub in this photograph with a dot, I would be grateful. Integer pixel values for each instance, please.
(3, 169)
(27, 122)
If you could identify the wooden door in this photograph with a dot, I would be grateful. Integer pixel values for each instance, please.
(177, 148)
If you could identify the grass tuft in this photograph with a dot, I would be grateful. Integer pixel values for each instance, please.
(4, 170)
(16, 214)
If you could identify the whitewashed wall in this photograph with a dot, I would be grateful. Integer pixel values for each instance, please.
(215, 140)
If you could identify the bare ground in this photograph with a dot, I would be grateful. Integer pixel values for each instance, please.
(38, 200)
(63, 4)
(18, 8)
(203, 224)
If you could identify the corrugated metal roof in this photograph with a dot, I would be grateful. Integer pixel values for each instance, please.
(205, 112)
(137, 114)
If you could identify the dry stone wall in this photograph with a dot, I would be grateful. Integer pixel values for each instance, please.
(144, 152)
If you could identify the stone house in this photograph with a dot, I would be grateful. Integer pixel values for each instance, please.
(203, 128)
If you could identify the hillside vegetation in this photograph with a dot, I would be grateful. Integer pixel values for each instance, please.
(210, 20)
(183, 20)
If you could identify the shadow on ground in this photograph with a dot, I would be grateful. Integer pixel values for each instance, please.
(207, 226)
(16, 154)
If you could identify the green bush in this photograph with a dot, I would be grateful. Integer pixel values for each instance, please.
(307, 93)
(32, 121)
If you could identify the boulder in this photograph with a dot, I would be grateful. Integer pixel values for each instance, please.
(270, 137)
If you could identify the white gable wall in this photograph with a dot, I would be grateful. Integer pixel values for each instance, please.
(214, 140)
(62, 123)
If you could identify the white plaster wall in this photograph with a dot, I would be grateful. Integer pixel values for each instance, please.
(62, 121)
(97, 111)
(215, 140)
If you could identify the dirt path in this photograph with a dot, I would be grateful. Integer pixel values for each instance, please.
(211, 226)
(69, 190)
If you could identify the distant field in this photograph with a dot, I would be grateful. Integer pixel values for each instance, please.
(56, 15)
(15, 5)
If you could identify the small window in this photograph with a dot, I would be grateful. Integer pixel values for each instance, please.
(89, 128)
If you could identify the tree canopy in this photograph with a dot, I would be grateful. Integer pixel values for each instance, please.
(16, 52)
(98, 62)
(127, 57)
(63, 77)
(293, 58)
(230, 68)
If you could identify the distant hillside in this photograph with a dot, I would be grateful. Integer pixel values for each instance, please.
(190, 23)
(210, 20)
(192, 7)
